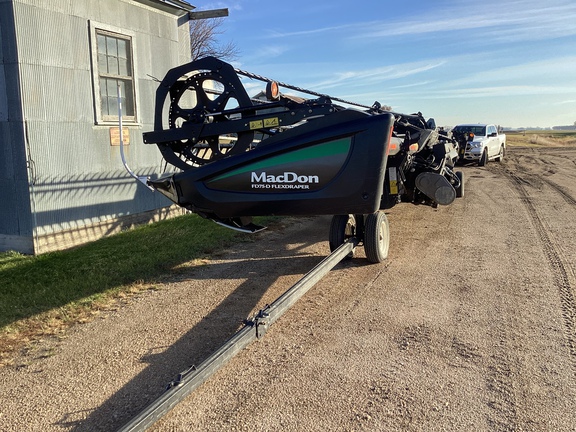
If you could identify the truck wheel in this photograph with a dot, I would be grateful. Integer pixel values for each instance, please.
(342, 227)
(500, 156)
(460, 189)
(376, 237)
(484, 158)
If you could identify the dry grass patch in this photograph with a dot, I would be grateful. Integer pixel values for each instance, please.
(541, 138)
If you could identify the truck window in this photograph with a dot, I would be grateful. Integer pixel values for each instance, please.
(476, 130)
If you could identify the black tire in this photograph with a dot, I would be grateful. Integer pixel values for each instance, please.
(342, 227)
(500, 156)
(460, 189)
(376, 237)
(484, 158)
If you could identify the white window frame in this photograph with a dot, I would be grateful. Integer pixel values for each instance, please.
(100, 117)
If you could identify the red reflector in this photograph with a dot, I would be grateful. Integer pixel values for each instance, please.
(389, 140)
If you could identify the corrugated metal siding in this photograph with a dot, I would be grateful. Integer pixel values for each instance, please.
(45, 37)
(3, 94)
(15, 218)
(15, 215)
(184, 46)
(79, 178)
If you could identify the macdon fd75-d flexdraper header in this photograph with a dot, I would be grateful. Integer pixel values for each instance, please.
(239, 157)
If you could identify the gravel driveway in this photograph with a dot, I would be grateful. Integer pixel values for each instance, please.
(469, 325)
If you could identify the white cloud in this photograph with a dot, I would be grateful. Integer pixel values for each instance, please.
(566, 102)
(543, 71)
(267, 52)
(416, 84)
(373, 76)
(505, 21)
(495, 91)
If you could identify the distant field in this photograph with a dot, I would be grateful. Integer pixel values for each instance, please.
(543, 138)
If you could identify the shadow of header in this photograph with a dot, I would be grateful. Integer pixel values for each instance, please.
(210, 332)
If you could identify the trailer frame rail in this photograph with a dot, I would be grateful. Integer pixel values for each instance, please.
(254, 328)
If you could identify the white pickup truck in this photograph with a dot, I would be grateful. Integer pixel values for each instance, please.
(479, 143)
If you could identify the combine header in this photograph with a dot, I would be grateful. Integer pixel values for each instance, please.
(238, 157)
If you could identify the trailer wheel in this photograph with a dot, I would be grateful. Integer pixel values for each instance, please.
(376, 237)
(342, 227)
(460, 189)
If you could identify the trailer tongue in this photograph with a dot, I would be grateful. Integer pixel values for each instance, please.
(291, 156)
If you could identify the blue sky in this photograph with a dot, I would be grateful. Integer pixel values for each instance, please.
(507, 62)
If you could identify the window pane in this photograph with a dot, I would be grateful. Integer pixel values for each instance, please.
(113, 106)
(104, 106)
(112, 90)
(113, 65)
(128, 99)
(122, 87)
(101, 44)
(102, 63)
(103, 97)
(102, 86)
(122, 48)
(111, 87)
(123, 67)
(111, 46)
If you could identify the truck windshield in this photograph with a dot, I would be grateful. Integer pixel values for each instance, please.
(476, 130)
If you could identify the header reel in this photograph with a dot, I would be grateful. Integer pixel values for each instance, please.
(210, 115)
(205, 92)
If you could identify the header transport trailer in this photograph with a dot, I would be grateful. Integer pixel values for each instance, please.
(237, 157)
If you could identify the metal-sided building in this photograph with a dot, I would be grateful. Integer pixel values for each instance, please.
(62, 182)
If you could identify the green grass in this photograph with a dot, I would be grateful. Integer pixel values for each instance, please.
(66, 282)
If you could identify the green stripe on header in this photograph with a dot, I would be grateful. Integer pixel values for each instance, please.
(320, 150)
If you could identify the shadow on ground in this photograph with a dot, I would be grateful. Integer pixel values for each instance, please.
(260, 264)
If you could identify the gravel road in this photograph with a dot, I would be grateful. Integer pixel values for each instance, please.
(469, 325)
